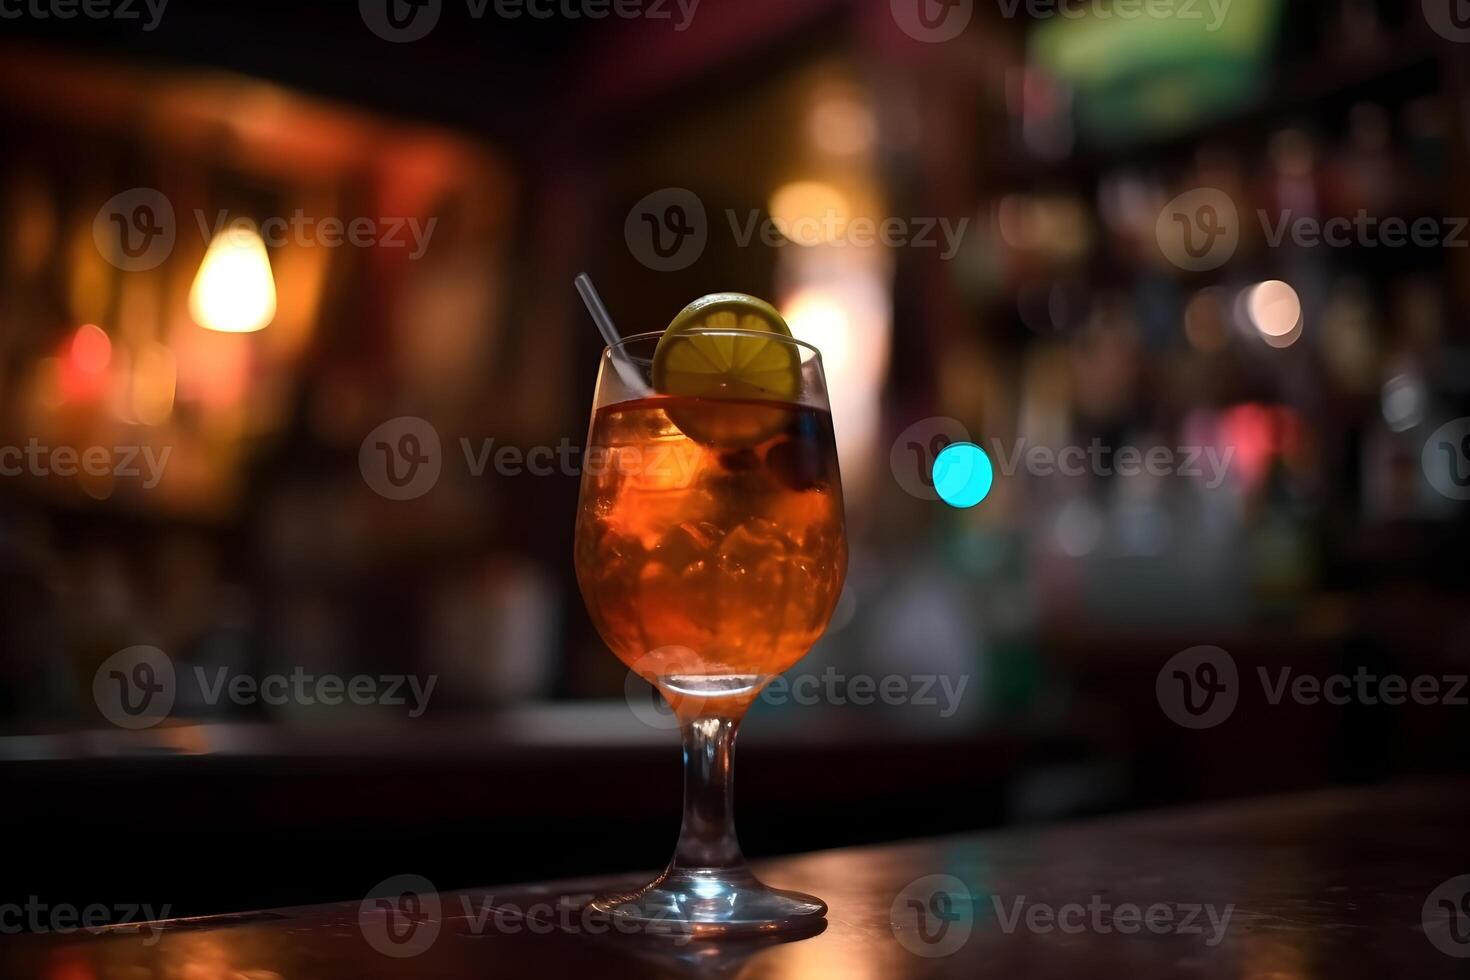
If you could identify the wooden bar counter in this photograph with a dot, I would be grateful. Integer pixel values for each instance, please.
(1332, 884)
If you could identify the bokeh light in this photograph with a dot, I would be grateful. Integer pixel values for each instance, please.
(810, 212)
(234, 291)
(1275, 311)
(963, 475)
(91, 349)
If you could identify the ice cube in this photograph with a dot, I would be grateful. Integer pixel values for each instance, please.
(686, 544)
(752, 544)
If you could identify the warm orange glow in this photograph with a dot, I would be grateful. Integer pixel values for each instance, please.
(842, 124)
(91, 350)
(234, 291)
(821, 320)
(809, 212)
(155, 376)
(47, 384)
(843, 312)
(733, 567)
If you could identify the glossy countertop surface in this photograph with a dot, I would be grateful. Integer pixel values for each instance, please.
(1339, 883)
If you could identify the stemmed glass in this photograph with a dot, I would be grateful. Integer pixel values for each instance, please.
(710, 550)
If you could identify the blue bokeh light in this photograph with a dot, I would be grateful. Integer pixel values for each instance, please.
(963, 474)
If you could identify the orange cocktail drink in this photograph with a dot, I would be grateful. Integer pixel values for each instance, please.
(711, 565)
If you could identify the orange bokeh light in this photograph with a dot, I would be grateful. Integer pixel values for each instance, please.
(91, 350)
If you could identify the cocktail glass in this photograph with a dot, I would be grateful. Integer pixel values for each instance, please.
(710, 550)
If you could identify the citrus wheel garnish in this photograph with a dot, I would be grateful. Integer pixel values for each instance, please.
(695, 360)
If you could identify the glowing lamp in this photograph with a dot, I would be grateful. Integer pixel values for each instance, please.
(234, 291)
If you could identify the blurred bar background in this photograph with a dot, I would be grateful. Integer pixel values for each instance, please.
(1052, 306)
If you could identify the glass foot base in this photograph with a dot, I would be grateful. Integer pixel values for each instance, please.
(707, 903)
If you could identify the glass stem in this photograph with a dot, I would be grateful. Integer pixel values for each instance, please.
(707, 838)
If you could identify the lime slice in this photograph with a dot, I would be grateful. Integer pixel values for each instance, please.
(703, 365)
